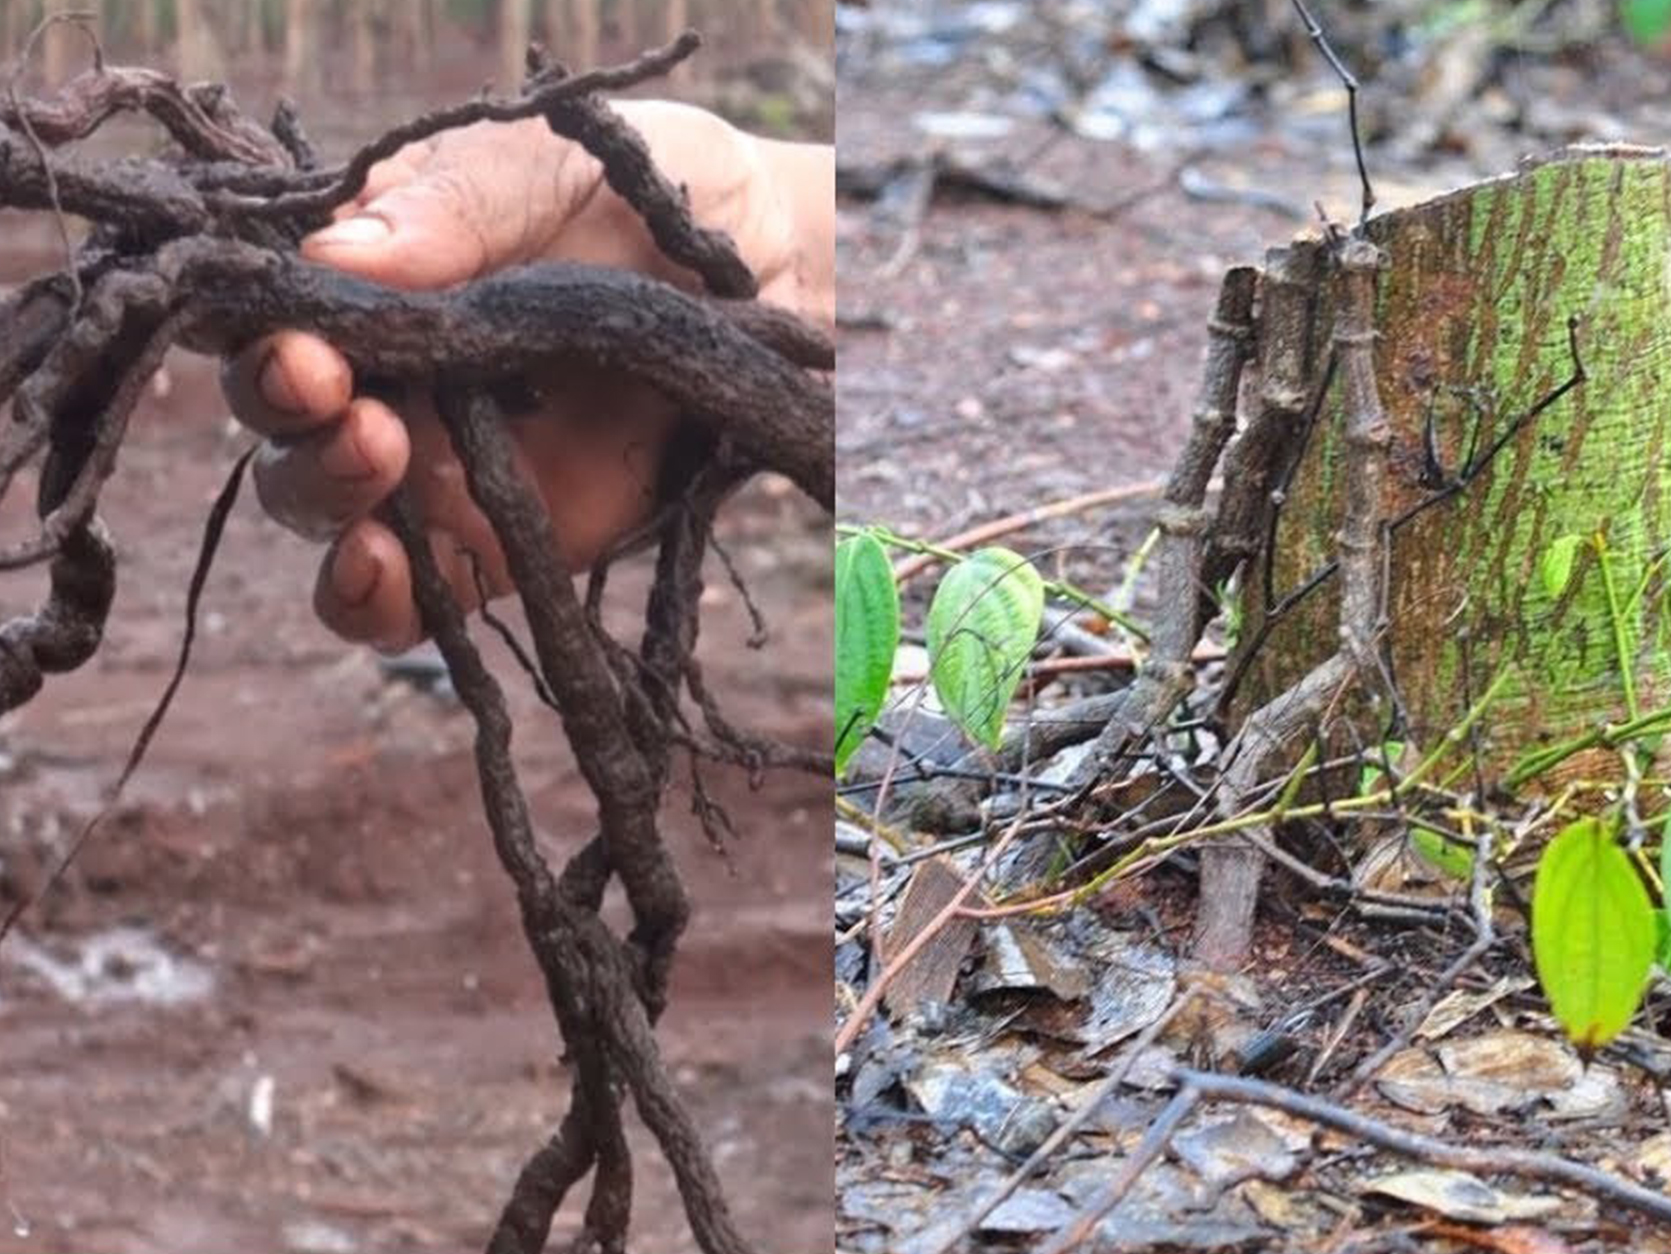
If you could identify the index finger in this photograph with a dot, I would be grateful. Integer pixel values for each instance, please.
(287, 384)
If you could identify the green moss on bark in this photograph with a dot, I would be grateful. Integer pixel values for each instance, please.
(1472, 323)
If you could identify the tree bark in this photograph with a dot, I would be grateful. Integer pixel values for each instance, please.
(1471, 318)
(1472, 322)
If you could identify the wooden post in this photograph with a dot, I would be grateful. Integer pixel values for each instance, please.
(513, 43)
(147, 25)
(413, 32)
(572, 27)
(363, 18)
(11, 36)
(817, 22)
(58, 46)
(251, 34)
(301, 46)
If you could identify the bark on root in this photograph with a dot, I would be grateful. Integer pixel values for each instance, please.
(200, 249)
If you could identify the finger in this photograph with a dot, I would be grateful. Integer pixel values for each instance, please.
(364, 592)
(423, 233)
(287, 384)
(391, 173)
(317, 484)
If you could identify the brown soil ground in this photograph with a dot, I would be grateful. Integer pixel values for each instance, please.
(308, 832)
(1007, 357)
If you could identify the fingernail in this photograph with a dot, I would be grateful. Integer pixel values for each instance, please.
(394, 646)
(355, 575)
(355, 232)
(272, 381)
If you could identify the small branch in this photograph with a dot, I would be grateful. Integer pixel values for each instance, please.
(1230, 872)
(986, 532)
(1485, 936)
(1483, 1160)
(1166, 675)
(1047, 668)
(1349, 81)
(1195, 1087)
(1132, 1166)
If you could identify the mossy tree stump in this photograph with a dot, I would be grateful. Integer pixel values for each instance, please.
(1472, 313)
(1521, 496)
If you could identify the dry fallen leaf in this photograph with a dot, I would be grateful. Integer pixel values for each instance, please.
(1459, 1195)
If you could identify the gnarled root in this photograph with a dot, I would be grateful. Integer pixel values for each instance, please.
(66, 631)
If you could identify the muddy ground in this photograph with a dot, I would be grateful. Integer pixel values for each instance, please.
(283, 1002)
(307, 832)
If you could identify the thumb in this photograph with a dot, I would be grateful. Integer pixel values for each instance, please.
(421, 234)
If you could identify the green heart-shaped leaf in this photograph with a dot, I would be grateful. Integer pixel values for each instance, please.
(981, 628)
(1594, 935)
(867, 633)
(1555, 566)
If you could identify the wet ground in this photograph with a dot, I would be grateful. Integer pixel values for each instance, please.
(306, 835)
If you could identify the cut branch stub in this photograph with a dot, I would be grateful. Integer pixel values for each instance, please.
(1472, 319)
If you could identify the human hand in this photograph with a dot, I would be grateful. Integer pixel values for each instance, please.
(464, 204)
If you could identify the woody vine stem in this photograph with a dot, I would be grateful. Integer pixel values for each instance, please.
(200, 250)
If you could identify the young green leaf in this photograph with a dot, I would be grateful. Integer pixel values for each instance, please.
(1646, 21)
(1594, 935)
(1665, 894)
(981, 627)
(1456, 861)
(1372, 774)
(1556, 564)
(867, 633)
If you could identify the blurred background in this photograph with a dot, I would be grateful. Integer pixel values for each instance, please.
(1471, 78)
(1037, 201)
(282, 1002)
(765, 62)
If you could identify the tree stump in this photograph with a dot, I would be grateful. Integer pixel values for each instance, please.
(1472, 314)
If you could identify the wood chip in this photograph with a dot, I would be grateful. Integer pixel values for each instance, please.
(932, 974)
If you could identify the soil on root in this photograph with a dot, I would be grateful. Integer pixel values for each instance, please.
(361, 1054)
